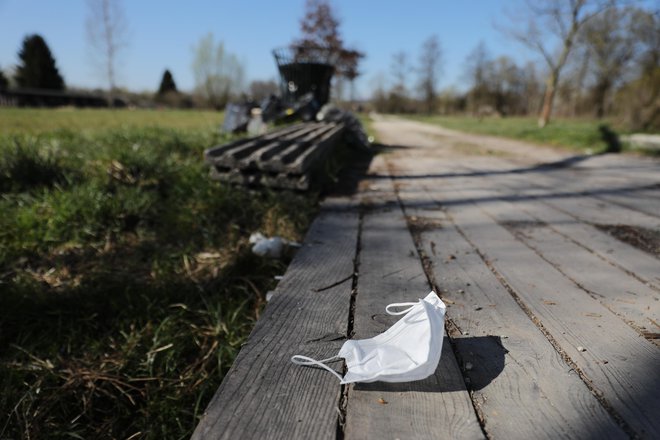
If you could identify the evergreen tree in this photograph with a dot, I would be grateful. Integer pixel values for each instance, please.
(37, 67)
(167, 84)
(4, 82)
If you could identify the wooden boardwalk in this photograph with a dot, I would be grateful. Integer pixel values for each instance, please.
(552, 321)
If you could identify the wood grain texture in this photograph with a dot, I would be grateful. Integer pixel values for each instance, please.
(629, 298)
(619, 290)
(390, 271)
(621, 366)
(589, 196)
(611, 358)
(520, 384)
(264, 395)
(647, 202)
(215, 153)
(631, 260)
(559, 306)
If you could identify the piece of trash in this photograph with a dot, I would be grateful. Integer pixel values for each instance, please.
(256, 126)
(269, 295)
(278, 277)
(580, 348)
(391, 356)
(382, 401)
(468, 366)
(272, 247)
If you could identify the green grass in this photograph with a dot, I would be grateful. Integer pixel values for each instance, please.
(16, 121)
(127, 285)
(367, 123)
(577, 134)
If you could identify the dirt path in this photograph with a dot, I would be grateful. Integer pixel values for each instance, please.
(401, 132)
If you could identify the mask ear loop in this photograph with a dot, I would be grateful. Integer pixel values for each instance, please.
(304, 360)
(410, 305)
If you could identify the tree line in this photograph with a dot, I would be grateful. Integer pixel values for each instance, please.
(597, 58)
(219, 74)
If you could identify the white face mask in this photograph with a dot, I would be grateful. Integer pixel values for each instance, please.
(409, 350)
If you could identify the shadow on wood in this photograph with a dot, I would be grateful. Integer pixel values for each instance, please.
(485, 363)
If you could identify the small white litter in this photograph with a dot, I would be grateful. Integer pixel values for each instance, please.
(271, 247)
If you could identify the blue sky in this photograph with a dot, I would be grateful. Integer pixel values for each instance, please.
(163, 32)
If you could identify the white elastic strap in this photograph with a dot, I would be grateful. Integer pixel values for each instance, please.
(304, 360)
(410, 305)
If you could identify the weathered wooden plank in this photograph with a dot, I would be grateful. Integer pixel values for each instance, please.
(211, 154)
(280, 180)
(390, 271)
(235, 176)
(560, 308)
(520, 384)
(630, 259)
(622, 367)
(316, 152)
(584, 199)
(624, 295)
(264, 395)
(262, 156)
(621, 255)
(286, 181)
(233, 157)
(645, 201)
(614, 287)
(282, 160)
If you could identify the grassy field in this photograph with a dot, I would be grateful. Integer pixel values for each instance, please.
(126, 281)
(16, 121)
(580, 135)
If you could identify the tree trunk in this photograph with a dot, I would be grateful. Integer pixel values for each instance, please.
(548, 99)
(600, 94)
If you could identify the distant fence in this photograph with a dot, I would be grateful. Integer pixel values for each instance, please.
(53, 98)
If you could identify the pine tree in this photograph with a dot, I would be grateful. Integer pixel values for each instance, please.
(167, 84)
(4, 82)
(37, 67)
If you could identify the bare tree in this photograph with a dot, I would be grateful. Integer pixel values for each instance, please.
(550, 21)
(611, 42)
(320, 29)
(107, 35)
(398, 101)
(320, 26)
(533, 88)
(218, 73)
(378, 93)
(643, 91)
(400, 69)
(429, 71)
(476, 70)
